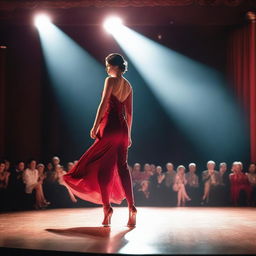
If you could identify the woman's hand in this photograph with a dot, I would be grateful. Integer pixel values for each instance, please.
(93, 132)
(129, 142)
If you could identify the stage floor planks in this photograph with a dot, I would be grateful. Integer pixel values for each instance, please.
(159, 230)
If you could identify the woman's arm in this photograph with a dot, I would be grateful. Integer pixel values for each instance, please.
(107, 90)
(129, 111)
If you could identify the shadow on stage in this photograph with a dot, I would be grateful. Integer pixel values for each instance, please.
(105, 239)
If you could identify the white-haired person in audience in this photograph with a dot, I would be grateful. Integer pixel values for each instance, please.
(169, 175)
(211, 181)
(192, 186)
(239, 182)
(55, 161)
(179, 186)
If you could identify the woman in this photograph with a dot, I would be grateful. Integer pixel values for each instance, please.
(142, 194)
(33, 181)
(251, 174)
(179, 186)
(60, 172)
(41, 202)
(4, 180)
(102, 175)
(239, 182)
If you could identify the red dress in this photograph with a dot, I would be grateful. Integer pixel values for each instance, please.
(102, 175)
(239, 182)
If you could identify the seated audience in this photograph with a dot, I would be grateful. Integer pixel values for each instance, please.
(29, 188)
(179, 186)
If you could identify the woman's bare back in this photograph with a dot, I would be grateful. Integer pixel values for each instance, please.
(122, 89)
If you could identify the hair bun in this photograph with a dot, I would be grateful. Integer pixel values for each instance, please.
(116, 59)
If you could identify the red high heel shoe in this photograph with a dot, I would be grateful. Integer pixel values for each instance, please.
(132, 216)
(108, 211)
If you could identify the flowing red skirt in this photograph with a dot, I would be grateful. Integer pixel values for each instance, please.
(99, 164)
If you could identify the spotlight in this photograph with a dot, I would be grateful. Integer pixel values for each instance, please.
(42, 21)
(112, 24)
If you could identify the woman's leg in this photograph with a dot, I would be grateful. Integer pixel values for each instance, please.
(206, 190)
(105, 175)
(125, 174)
(179, 197)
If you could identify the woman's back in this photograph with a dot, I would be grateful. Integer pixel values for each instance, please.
(122, 89)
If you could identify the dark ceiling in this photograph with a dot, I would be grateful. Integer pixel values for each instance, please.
(134, 12)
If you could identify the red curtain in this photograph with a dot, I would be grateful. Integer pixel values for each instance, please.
(242, 73)
(3, 50)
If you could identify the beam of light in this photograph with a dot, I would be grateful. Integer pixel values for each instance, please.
(42, 21)
(77, 79)
(112, 24)
(192, 94)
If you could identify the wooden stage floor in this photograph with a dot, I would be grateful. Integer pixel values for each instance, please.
(159, 230)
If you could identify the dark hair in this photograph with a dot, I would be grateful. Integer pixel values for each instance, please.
(116, 59)
(30, 160)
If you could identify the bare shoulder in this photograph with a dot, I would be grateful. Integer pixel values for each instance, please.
(109, 83)
(110, 80)
(128, 84)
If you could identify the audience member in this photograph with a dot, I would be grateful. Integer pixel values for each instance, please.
(156, 188)
(169, 181)
(142, 194)
(16, 187)
(4, 179)
(179, 186)
(192, 186)
(251, 174)
(224, 186)
(239, 185)
(211, 180)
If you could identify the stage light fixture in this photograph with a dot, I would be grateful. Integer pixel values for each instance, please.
(42, 21)
(112, 24)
